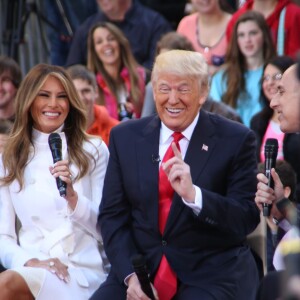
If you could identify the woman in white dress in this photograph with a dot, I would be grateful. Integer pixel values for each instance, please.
(54, 252)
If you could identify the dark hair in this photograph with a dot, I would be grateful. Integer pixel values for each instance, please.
(282, 63)
(286, 174)
(235, 66)
(81, 72)
(173, 41)
(9, 66)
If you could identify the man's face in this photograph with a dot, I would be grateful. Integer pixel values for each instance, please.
(7, 90)
(287, 102)
(86, 92)
(178, 100)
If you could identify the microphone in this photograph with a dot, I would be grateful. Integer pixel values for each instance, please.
(140, 270)
(271, 150)
(155, 158)
(55, 145)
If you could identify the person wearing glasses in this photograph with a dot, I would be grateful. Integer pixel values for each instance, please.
(266, 123)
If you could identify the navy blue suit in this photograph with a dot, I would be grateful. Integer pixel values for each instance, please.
(207, 251)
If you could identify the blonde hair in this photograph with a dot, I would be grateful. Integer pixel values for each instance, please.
(16, 153)
(182, 63)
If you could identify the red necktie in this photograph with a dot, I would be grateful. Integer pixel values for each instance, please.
(165, 280)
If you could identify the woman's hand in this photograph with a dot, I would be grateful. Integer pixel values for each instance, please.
(61, 169)
(54, 265)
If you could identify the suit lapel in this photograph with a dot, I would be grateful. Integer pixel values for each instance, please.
(147, 148)
(199, 150)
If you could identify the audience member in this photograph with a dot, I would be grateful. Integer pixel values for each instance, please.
(120, 79)
(282, 17)
(66, 16)
(238, 83)
(54, 255)
(289, 118)
(206, 30)
(142, 26)
(5, 128)
(200, 244)
(176, 41)
(10, 79)
(98, 120)
(266, 123)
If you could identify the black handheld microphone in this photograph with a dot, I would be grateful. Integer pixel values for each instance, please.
(140, 270)
(55, 145)
(271, 150)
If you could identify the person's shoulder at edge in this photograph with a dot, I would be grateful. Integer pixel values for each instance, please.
(186, 21)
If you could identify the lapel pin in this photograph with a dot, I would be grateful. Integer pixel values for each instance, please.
(204, 147)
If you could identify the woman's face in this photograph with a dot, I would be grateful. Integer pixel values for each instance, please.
(205, 6)
(271, 77)
(50, 108)
(250, 39)
(106, 47)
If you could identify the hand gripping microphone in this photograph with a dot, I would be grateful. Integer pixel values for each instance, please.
(271, 150)
(139, 267)
(55, 145)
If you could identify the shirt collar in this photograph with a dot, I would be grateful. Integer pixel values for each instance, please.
(166, 133)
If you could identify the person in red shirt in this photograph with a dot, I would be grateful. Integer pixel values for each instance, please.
(99, 121)
(287, 39)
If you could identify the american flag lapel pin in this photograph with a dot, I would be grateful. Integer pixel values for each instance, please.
(204, 147)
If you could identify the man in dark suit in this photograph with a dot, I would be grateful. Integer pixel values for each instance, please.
(199, 239)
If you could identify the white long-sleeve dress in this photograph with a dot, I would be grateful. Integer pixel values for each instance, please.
(49, 228)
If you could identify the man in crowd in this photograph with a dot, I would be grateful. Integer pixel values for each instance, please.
(99, 121)
(287, 104)
(179, 190)
(142, 26)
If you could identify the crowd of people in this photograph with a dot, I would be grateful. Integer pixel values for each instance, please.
(146, 136)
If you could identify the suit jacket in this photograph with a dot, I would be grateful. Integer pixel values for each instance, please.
(195, 246)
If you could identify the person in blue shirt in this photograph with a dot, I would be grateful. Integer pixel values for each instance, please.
(238, 82)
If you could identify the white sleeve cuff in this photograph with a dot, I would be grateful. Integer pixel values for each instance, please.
(197, 205)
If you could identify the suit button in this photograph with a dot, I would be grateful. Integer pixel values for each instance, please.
(164, 243)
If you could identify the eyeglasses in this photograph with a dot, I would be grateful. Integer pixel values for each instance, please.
(274, 77)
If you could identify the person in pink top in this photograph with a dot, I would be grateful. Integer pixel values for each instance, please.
(120, 78)
(206, 30)
(286, 36)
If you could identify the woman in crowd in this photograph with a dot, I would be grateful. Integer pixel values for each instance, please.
(283, 19)
(206, 30)
(266, 124)
(54, 253)
(121, 80)
(238, 83)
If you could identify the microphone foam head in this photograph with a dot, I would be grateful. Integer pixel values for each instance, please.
(54, 139)
(271, 145)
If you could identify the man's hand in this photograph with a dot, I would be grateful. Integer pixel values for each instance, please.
(179, 175)
(268, 195)
(134, 290)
